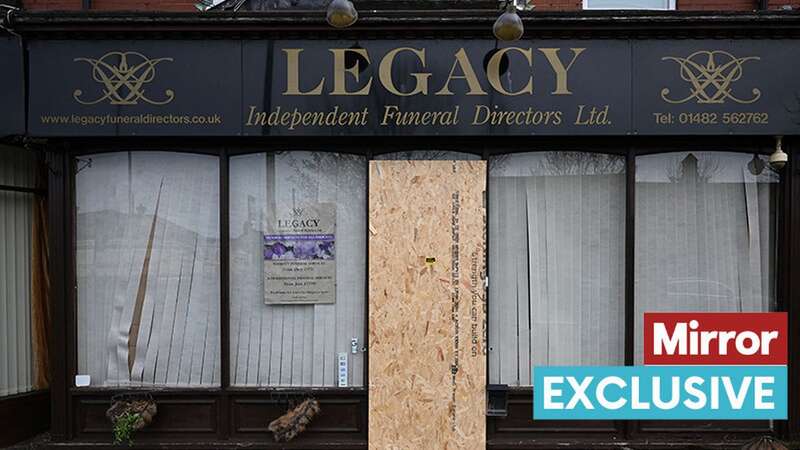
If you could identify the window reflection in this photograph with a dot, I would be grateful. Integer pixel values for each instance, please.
(148, 269)
(296, 344)
(706, 227)
(556, 262)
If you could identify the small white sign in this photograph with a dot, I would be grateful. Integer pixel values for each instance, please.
(83, 380)
(342, 369)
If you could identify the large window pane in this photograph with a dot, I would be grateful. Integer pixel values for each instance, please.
(148, 269)
(16, 209)
(556, 262)
(705, 234)
(277, 340)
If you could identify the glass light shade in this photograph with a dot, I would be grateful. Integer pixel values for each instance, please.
(508, 27)
(341, 13)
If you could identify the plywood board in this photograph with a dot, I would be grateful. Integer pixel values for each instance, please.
(427, 310)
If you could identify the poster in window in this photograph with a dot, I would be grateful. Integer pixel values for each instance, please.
(300, 256)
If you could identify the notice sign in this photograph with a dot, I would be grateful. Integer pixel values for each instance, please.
(300, 256)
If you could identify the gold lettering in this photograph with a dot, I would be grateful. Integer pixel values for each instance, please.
(293, 74)
(558, 67)
(462, 61)
(385, 73)
(340, 71)
(255, 117)
(493, 71)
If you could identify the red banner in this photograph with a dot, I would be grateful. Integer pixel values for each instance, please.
(701, 338)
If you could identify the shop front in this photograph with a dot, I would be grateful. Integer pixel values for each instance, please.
(398, 221)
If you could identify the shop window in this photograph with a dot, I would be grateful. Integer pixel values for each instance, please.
(15, 277)
(556, 262)
(630, 4)
(706, 227)
(23, 295)
(148, 274)
(298, 263)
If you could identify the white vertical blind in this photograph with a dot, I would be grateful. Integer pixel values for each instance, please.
(556, 262)
(16, 209)
(148, 235)
(705, 234)
(296, 345)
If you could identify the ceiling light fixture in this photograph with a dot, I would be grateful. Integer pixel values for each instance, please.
(508, 27)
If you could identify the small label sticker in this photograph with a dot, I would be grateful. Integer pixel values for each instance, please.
(342, 369)
(83, 380)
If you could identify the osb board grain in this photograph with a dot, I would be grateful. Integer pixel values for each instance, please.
(427, 321)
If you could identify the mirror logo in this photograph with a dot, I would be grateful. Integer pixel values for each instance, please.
(723, 366)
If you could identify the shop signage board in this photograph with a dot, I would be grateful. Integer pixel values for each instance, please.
(438, 88)
(417, 87)
(12, 87)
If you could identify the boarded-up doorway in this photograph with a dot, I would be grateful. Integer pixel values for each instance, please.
(427, 310)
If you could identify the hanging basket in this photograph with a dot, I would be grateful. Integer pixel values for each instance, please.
(140, 406)
(764, 443)
(295, 421)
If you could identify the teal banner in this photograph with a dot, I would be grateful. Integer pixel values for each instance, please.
(660, 393)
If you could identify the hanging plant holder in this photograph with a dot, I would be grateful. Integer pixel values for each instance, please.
(764, 443)
(295, 421)
(130, 413)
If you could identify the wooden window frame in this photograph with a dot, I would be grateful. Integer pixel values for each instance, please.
(74, 411)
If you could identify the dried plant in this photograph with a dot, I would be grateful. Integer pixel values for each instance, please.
(295, 421)
(765, 443)
(129, 415)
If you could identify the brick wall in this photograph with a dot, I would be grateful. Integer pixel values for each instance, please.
(779, 4)
(717, 5)
(111, 5)
(51, 5)
(541, 5)
(558, 5)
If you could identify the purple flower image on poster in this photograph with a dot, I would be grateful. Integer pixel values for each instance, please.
(299, 247)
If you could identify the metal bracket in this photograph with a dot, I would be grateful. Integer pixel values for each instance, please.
(86, 164)
(53, 170)
(497, 400)
(7, 19)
